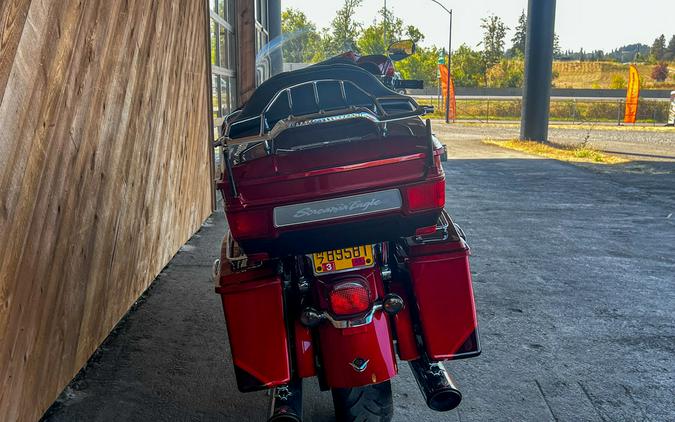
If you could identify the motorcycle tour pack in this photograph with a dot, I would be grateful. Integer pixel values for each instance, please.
(340, 256)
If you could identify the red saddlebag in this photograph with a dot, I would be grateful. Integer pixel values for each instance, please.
(253, 304)
(441, 283)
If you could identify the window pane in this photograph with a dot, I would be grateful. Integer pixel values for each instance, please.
(224, 96)
(214, 43)
(212, 5)
(223, 47)
(221, 9)
(233, 93)
(215, 96)
(231, 58)
(230, 12)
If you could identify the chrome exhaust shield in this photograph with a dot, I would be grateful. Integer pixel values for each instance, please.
(286, 404)
(437, 387)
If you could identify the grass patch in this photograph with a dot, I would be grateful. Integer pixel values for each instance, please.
(579, 154)
(649, 111)
(563, 126)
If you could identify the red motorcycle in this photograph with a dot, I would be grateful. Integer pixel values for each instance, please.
(340, 256)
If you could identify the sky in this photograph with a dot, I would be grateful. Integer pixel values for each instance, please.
(588, 24)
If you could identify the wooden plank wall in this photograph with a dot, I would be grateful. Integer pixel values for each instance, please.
(245, 24)
(104, 174)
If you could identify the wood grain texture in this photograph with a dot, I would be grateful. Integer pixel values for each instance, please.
(104, 174)
(245, 24)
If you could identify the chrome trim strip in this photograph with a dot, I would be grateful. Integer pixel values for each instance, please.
(351, 323)
(215, 272)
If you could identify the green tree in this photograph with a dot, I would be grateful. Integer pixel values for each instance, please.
(670, 50)
(658, 48)
(372, 39)
(467, 67)
(519, 38)
(343, 31)
(414, 33)
(303, 38)
(494, 32)
(618, 82)
(506, 74)
(421, 65)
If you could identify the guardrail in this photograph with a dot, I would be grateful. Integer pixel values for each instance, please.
(662, 94)
(595, 110)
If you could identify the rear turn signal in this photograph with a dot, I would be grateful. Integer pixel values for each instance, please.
(392, 304)
(349, 298)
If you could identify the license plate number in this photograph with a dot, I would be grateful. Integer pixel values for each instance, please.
(343, 259)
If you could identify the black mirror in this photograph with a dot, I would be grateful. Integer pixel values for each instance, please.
(428, 109)
(401, 49)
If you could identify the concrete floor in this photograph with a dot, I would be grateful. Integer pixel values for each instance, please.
(574, 276)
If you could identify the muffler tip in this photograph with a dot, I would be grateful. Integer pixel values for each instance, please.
(444, 400)
(437, 387)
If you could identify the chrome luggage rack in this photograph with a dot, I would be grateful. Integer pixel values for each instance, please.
(325, 107)
(325, 114)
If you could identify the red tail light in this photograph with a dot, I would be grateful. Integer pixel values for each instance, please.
(349, 298)
(248, 224)
(426, 196)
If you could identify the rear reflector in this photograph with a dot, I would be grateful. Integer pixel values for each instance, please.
(426, 196)
(349, 298)
(425, 230)
(248, 224)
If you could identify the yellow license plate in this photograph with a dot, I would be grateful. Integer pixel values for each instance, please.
(343, 259)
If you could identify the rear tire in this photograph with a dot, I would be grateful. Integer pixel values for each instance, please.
(372, 403)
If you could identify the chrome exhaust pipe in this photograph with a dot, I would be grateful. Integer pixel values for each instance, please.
(437, 387)
(286, 404)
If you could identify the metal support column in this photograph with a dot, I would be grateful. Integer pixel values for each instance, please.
(274, 16)
(538, 70)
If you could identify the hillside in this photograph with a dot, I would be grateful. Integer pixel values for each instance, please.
(601, 75)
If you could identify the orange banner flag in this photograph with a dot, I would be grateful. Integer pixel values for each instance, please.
(632, 95)
(444, 87)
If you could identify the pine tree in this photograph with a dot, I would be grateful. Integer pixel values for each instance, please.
(557, 51)
(659, 48)
(670, 50)
(520, 36)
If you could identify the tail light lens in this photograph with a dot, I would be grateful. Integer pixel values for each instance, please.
(247, 224)
(426, 196)
(438, 166)
(349, 298)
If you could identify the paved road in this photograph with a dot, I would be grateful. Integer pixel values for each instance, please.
(574, 279)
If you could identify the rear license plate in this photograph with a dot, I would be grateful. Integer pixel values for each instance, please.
(343, 259)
